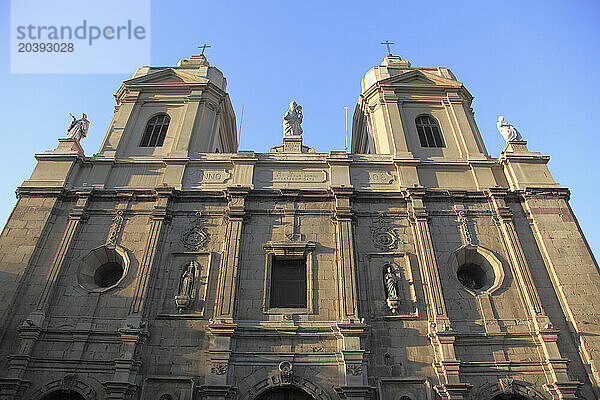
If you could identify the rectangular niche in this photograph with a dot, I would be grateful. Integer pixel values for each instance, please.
(288, 285)
(377, 264)
(178, 265)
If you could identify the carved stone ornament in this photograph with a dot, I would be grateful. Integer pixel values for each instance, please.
(464, 225)
(285, 371)
(196, 236)
(219, 369)
(385, 237)
(354, 369)
(507, 385)
(115, 228)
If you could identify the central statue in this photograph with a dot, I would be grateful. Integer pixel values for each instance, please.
(292, 120)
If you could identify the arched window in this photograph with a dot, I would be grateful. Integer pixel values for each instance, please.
(156, 129)
(429, 131)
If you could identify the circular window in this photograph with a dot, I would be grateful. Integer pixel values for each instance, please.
(103, 268)
(472, 276)
(108, 274)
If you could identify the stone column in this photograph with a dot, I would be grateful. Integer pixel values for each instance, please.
(559, 384)
(441, 335)
(34, 324)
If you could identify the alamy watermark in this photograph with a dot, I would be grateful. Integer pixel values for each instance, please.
(68, 36)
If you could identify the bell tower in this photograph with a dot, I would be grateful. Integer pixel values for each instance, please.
(420, 113)
(172, 112)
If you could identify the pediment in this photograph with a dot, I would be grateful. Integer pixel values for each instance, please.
(416, 77)
(167, 77)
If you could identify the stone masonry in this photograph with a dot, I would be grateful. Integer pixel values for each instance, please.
(193, 228)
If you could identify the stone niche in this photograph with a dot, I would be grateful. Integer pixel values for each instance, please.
(402, 269)
(177, 265)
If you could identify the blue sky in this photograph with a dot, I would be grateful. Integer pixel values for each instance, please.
(532, 62)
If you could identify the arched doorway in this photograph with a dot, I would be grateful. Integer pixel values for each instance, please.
(509, 397)
(63, 395)
(285, 393)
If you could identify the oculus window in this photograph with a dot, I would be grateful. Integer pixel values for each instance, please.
(288, 282)
(156, 130)
(472, 276)
(429, 131)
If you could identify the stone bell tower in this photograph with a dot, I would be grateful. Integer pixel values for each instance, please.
(189, 97)
(395, 95)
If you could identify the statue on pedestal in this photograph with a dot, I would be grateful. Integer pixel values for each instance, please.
(391, 286)
(186, 286)
(508, 132)
(292, 120)
(78, 128)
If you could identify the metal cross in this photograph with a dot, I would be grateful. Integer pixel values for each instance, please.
(388, 46)
(203, 47)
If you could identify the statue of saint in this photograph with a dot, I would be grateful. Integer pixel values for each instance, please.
(292, 120)
(78, 128)
(508, 132)
(186, 286)
(187, 281)
(391, 287)
(390, 283)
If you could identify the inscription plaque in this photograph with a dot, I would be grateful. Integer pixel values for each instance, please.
(293, 176)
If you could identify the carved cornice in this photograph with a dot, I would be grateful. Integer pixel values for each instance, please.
(291, 248)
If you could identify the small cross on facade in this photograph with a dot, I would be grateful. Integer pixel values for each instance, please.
(387, 44)
(203, 47)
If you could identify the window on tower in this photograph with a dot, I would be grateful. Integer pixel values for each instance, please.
(156, 129)
(429, 131)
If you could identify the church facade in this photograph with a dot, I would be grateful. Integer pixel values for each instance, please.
(172, 266)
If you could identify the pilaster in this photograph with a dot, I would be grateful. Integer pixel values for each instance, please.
(440, 334)
(230, 254)
(346, 262)
(134, 332)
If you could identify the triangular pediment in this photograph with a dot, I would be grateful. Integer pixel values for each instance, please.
(166, 77)
(416, 77)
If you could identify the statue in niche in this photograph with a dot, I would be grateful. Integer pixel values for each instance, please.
(78, 128)
(292, 120)
(508, 132)
(186, 287)
(391, 288)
